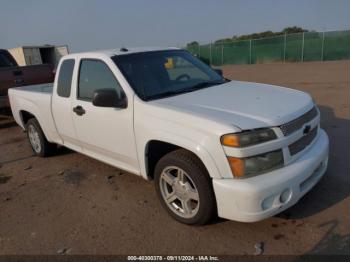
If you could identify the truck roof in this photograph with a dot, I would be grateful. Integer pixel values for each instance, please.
(121, 51)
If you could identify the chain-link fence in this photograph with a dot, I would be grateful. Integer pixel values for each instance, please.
(308, 46)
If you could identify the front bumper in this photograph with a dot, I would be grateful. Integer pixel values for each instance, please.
(262, 196)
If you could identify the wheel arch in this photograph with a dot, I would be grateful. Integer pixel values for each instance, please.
(155, 149)
(27, 109)
(25, 116)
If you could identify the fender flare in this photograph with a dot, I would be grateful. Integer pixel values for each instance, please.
(181, 142)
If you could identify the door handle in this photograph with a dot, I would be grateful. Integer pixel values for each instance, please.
(79, 110)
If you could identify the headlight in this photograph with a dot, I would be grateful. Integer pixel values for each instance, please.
(242, 167)
(248, 138)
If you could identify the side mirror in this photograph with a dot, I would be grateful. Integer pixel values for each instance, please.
(109, 98)
(219, 71)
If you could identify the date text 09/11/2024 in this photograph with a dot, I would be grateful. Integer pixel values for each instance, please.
(173, 258)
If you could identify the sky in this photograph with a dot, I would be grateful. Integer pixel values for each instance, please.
(101, 24)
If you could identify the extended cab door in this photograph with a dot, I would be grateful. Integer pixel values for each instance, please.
(62, 104)
(105, 133)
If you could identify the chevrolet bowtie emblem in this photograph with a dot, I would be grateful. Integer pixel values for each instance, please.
(306, 130)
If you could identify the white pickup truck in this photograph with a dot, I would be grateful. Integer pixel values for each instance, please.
(242, 151)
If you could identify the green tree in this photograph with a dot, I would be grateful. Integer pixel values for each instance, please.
(294, 29)
(269, 33)
(192, 44)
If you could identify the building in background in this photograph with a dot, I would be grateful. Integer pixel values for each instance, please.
(36, 55)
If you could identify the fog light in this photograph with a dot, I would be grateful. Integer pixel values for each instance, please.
(268, 202)
(285, 196)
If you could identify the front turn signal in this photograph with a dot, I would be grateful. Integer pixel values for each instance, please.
(248, 138)
(230, 140)
(237, 166)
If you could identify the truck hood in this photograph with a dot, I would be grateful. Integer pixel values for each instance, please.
(243, 104)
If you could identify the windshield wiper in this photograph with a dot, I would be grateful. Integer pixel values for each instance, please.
(203, 85)
(164, 94)
(185, 90)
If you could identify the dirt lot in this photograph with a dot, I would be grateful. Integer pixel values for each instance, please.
(72, 204)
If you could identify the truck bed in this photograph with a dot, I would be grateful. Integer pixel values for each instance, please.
(41, 88)
(36, 100)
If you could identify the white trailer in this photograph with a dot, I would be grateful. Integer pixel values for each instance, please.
(36, 55)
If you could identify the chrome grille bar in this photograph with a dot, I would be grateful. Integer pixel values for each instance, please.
(303, 142)
(298, 123)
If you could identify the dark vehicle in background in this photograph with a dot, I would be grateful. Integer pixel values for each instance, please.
(12, 75)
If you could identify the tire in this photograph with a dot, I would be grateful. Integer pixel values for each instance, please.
(40, 146)
(182, 178)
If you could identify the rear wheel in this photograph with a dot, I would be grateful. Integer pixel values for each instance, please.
(184, 188)
(37, 139)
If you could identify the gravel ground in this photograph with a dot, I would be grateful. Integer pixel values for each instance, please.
(72, 204)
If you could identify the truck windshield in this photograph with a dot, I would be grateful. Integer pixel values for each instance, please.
(159, 74)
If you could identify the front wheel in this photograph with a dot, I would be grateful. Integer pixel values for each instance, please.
(184, 188)
(40, 145)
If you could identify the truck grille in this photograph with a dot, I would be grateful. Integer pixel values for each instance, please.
(298, 123)
(303, 142)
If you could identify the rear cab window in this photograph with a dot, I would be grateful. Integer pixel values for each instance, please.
(65, 75)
